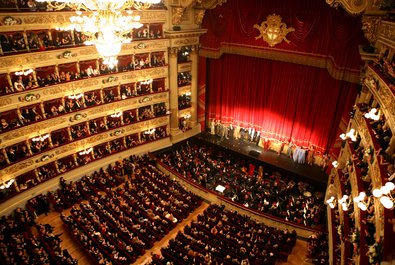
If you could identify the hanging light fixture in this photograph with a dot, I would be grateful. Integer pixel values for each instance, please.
(107, 24)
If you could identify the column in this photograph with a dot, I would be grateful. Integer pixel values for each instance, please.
(173, 91)
(391, 146)
(194, 85)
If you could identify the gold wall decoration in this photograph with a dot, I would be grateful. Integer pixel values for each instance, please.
(370, 25)
(29, 97)
(11, 21)
(354, 7)
(66, 55)
(273, 31)
(78, 117)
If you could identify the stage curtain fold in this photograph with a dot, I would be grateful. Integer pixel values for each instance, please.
(320, 31)
(282, 100)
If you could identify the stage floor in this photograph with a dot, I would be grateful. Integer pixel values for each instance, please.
(312, 174)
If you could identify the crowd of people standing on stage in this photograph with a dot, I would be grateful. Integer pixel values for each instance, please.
(248, 183)
(299, 154)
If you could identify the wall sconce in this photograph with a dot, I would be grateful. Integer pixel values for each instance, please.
(331, 202)
(372, 114)
(40, 138)
(273, 31)
(360, 200)
(24, 72)
(146, 82)
(152, 131)
(345, 202)
(385, 196)
(351, 134)
(116, 115)
(86, 151)
(335, 164)
(6, 185)
(76, 96)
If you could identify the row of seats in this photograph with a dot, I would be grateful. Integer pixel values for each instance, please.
(22, 241)
(62, 165)
(43, 143)
(248, 183)
(226, 237)
(119, 225)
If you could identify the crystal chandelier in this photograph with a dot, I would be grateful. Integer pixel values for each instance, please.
(107, 24)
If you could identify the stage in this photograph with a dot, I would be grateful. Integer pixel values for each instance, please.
(312, 174)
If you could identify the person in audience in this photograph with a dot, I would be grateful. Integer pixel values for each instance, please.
(275, 194)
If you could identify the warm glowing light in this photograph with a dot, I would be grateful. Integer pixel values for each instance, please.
(372, 114)
(116, 115)
(7, 184)
(387, 202)
(78, 96)
(107, 24)
(27, 72)
(335, 164)
(40, 138)
(86, 151)
(377, 193)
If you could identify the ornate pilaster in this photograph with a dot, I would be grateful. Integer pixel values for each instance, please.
(194, 84)
(370, 26)
(356, 7)
(173, 90)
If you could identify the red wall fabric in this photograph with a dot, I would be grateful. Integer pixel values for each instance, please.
(320, 30)
(282, 100)
(201, 103)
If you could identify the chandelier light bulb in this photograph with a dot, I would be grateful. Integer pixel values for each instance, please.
(385, 190)
(387, 202)
(362, 206)
(377, 193)
(390, 186)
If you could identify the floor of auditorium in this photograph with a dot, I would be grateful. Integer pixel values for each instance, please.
(297, 257)
(310, 173)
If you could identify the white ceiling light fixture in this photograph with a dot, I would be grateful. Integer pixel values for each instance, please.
(106, 23)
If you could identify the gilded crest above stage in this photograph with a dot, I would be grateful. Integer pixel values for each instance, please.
(273, 30)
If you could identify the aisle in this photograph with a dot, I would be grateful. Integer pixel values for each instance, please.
(77, 252)
(297, 257)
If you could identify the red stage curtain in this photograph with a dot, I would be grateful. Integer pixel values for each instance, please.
(320, 30)
(282, 100)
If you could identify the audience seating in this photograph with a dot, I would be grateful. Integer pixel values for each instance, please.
(247, 183)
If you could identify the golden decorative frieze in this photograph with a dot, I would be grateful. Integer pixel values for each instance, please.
(73, 147)
(13, 63)
(199, 15)
(183, 90)
(8, 102)
(172, 35)
(186, 41)
(353, 7)
(151, 16)
(77, 117)
(45, 20)
(5, 101)
(336, 72)
(386, 33)
(184, 67)
(29, 97)
(177, 13)
(209, 4)
(383, 95)
(47, 126)
(370, 27)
